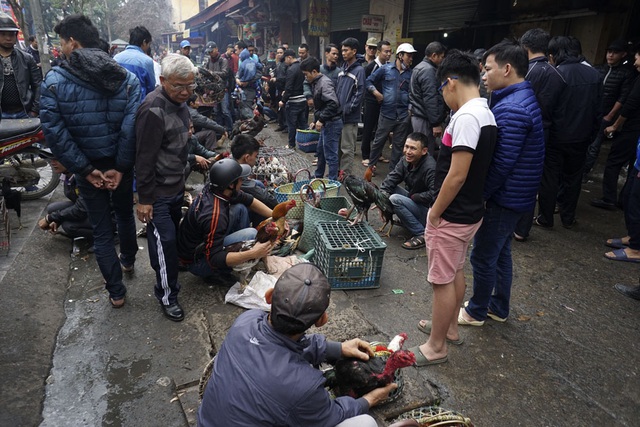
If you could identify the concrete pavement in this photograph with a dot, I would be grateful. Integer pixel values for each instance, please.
(566, 356)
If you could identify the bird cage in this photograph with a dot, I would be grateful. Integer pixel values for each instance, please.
(349, 255)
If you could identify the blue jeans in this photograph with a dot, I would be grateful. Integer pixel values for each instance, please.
(412, 215)
(99, 205)
(296, 119)
(163, 251)
(238, 218)
(328, 149)
(491, 262)
(223, 114)
(20, 115)
(201, 267)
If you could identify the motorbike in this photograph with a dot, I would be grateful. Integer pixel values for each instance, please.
(22, 159)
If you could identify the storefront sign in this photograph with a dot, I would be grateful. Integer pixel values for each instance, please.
(319, 18)
(372, 23)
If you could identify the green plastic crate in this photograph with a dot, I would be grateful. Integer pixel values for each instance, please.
(349, 255)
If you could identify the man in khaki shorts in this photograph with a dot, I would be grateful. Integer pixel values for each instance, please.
(465, 156)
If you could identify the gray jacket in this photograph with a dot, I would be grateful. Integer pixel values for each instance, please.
(28, 78)
(424, 99)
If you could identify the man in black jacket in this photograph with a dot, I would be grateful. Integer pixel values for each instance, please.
(417, 170)
(548, 84)
(293, 99)
(570, 134)
(68, 217)
(327, 117)
(21, 79)
(623, 148)
(617, 80)
(219, 65)
(425, 101)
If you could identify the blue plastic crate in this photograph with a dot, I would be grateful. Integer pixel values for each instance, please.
(349, 255)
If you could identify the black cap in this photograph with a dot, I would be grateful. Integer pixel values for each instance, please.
(618, 46)
(210, 46)
(301, 294)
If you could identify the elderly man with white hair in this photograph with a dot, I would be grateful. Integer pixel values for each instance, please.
(162, 132)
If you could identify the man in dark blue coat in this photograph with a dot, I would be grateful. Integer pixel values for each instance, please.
(571, 132)
(88, 109)
(512, 181)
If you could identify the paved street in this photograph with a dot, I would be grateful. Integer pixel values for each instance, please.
(566, 356)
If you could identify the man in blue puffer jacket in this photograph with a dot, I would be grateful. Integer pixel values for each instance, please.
(88, 109)
(512, 181)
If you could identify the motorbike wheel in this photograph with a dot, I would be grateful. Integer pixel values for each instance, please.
(49, 179)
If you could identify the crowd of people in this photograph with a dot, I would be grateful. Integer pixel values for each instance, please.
(478, 140)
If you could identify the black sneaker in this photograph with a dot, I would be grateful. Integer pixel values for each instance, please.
(603, 204)
(538, 221)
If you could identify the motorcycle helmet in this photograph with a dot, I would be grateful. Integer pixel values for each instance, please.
(225, 172)
(406, 48)
(7, 23)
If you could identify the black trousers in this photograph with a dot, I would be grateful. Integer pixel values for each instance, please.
(563, 166)
(370, 121)
(623, 152)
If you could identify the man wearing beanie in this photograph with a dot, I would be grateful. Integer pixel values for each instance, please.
(263, 373)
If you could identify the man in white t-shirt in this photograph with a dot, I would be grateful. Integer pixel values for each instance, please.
(467, 149)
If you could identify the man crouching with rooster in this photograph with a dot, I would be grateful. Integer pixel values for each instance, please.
(207, 229)
(263, 373)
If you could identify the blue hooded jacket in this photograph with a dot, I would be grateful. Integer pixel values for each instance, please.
(516, 169)
(88, 110)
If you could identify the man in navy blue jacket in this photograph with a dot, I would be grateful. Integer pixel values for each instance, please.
(350, 92)
(512, 181)
(88, 111)
(571, 132)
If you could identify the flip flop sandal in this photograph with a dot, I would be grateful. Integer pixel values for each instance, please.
(616, 244)
(416, 242)
(465, 322)
(426, 329)
(621, 255)
(383, 160)
(421, 359)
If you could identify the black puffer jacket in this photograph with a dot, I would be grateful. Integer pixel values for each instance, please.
(616, 84)
(425, 101)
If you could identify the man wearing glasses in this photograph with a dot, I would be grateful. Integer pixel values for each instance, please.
(162, 132)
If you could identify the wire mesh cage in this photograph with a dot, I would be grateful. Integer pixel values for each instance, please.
(431, 416)
(349, 255)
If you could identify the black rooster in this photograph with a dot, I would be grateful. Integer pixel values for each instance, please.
(363, 194)
(12, 199)
(355, 377)
(251, 126)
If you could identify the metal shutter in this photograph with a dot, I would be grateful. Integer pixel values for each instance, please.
(429, 15)
(347, 15)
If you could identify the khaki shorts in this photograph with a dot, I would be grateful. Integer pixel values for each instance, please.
(447, 247)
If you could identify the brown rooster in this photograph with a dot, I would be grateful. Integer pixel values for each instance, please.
(278, 215)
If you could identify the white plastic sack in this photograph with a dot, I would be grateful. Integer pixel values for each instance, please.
(253, 295)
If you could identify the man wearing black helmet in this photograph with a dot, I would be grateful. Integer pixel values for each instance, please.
(207, 228)
(21, 78)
